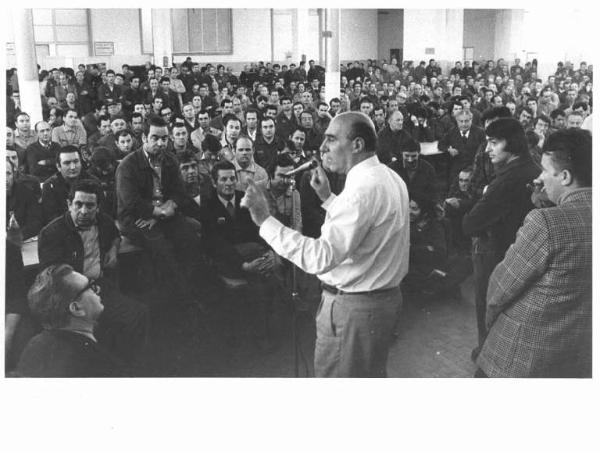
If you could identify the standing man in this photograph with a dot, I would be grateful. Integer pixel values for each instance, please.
(539, 306)
(494, 220)
(361, 256)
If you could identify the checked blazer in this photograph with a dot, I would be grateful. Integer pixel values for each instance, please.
(539, 303)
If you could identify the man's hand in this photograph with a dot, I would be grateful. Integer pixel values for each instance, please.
(145, 223)
(453, 151)
(320, 183)
(168, 208)
(256, 203)
(110, 258)
(253, 267)
(452, 202)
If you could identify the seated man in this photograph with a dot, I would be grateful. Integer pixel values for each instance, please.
(279, 194)
(245, 167)
(417, 173)
(149, 193)
(117, 123)
(460, 200)
(68, 305)
(71, 133)
(23, 221)
(268, 144)
(233, 224)
(55, 190)
(40, 157)
(103, 166)
(88, 240)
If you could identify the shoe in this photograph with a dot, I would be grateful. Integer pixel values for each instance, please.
(475, 353)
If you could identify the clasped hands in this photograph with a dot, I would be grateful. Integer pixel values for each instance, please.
(163, 211)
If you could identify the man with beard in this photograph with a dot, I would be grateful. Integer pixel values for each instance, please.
(418, 174)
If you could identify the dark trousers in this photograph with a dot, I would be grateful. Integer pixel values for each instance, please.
(175, 247)
(484, 262)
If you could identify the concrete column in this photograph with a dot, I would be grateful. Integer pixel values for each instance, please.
(29, 86)
(452, 49)
(331, 36)
(508, 42)
(162, 37)
(322, 42)
(303, 25)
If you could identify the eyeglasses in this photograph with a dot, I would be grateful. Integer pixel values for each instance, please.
(91, 285)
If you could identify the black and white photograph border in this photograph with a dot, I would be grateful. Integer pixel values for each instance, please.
(256, 407)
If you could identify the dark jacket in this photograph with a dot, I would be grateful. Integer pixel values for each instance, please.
(392, 143)
(235, 231)
(466, 148)
(500, 212)
(265, 154)
(59, 241)
(36, 153)
(61, 353)
(421, 180)
(24, 203)
(135, 184)
(55, 192)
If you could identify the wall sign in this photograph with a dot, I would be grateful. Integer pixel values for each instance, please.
(104, 48)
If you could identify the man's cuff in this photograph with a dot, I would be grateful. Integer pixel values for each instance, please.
(269, 228)
(328, 202)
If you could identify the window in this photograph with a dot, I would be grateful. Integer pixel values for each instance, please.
(63, 31)
(202, 31)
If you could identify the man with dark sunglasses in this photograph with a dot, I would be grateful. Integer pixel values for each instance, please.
(88, 240)
(68, 305)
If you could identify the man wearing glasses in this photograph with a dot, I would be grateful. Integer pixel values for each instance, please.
(68, 306)
(88, 241)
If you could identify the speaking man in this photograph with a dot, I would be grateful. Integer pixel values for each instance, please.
(361, 256)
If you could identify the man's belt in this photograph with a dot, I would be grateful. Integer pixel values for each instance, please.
(336, 291)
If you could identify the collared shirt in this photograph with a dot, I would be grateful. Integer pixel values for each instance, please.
(364, 243)
(253, 171)
(280, 207)
(64, 135)
(91, 252)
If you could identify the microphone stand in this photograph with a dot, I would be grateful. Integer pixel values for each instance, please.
(295, 296)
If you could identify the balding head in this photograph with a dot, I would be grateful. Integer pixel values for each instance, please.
(349, 139)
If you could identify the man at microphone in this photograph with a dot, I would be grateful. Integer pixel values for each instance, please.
(361, 256)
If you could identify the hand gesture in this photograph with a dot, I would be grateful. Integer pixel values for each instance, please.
(256, 203)
(145, 223)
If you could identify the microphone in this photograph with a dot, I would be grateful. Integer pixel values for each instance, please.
(305, 166)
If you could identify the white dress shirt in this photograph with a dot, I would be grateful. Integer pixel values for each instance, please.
(364, 243)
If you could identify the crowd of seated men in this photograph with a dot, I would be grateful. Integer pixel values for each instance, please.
(161, 157)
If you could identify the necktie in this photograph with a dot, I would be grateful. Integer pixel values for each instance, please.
(231, 209)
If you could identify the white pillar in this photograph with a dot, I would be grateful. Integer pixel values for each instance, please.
(509, 34)
(162, 37)
(331, 36)
(302, 22)
(29, 85)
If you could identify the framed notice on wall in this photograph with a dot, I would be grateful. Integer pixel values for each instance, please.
(104, 48)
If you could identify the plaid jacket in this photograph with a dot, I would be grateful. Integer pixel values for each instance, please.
(539, 299)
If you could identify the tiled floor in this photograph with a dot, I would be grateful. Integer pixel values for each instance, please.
(435, 340)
